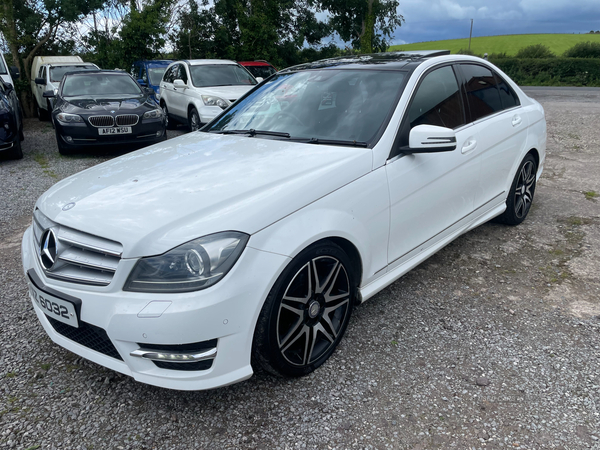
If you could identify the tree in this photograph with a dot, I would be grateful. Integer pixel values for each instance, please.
(30, 25)
(367, 24)
(275, 30)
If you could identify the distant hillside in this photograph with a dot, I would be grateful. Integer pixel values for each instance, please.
(510, 44)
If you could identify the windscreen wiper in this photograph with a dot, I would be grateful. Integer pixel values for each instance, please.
(253, 132)
(331, 142)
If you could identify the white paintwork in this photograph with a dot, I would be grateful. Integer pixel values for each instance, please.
(6, 76)
(180, 97)
(396, 212)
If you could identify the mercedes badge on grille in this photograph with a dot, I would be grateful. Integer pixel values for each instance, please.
(48, 249)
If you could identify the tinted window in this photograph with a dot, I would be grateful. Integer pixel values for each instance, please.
(169, 74)
(99, 85)
(437, 101)
(321, 104)
(482, 92)
(261, 71)
(57, 72)
(181, 74)
(507, 95)
(220, 75)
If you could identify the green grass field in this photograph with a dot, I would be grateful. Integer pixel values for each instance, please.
(509, 44)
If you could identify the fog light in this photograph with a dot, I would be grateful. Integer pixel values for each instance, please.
(159, 133)
(7, 126)
(69, 139)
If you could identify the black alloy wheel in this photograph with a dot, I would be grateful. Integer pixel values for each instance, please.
(306, 312)
(521, 193)
(194, 120)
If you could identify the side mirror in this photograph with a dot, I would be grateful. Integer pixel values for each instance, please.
(259, 79)
(148, 90)
(141, 82)
(48, 94)
(14, 72)
(430, 139)
(179, 83)
(40, 81)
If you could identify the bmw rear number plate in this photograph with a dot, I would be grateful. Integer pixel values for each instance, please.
(114, 130)
(54, 307)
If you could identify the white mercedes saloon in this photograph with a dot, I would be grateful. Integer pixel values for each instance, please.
(189, 263)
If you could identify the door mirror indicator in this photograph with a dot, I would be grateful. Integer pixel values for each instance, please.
(430, 139)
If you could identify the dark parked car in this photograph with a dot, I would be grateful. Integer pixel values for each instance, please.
(104, 107)
(11, 122)
(260, 69)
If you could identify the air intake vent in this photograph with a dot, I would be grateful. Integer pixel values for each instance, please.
(102, 121)
(127, 120)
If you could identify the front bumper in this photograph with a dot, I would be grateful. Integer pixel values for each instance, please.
(208, 113)
(84, 134)
(227, 312)
(9, 134)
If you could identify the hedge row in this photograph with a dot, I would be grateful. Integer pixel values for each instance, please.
(551, 71)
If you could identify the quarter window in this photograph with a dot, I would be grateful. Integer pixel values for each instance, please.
(507, 95)
(482, 91)
(437, 101)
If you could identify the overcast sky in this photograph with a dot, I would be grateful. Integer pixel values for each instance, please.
(432, 20)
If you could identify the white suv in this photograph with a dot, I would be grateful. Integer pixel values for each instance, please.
(196, 91)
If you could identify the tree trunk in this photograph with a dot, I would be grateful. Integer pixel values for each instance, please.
(368, 30)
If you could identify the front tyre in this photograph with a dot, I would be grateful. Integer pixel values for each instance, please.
(521, 193)
(306, 313)
(194, 120)
(169, 123)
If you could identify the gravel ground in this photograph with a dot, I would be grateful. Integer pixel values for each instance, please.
(491, 343)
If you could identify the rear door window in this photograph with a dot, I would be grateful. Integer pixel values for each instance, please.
(482, 91)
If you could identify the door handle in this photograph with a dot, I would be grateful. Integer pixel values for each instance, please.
(516, 121)
(469, 146)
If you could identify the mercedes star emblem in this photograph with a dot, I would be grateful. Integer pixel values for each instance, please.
(48, 249)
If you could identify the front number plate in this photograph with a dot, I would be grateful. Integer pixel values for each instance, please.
(114, 130)
(54, 307)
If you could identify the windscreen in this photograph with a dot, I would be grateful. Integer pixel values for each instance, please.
(156, 74)
(333, 104)
(100, 85)
(57, 72)
(261, 71)
(220, 75)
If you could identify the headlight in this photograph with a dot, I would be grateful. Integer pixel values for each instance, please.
(211, 100)
(192, 266)
(154, 114)
(69, 118)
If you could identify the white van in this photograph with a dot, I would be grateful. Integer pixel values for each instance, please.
(46, 75)
(5, 71)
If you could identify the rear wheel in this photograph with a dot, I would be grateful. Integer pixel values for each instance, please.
(41, 113)
(306, 313)
(194, 120)
(521, 193)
